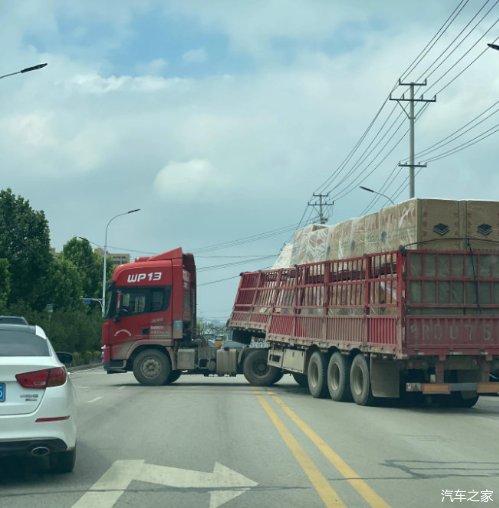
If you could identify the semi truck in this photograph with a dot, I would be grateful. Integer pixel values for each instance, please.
(380, 325)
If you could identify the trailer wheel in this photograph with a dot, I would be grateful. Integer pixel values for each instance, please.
(316, 374)
(256, 370)
(151, 367)
(338, 378)
(174, 375)
(457, 400)
(469, 402)
(360, 381)
(301, 379)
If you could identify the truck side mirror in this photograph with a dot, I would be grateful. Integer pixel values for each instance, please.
(122, 311)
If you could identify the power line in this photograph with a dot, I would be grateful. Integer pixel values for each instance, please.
(430, 45)
(416, 61)
(467, 144)
(454, 135)
(217, 281)
(235, 263)
(455, 46)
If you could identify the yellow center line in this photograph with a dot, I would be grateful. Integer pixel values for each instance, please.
(372, 498)
(328, 495)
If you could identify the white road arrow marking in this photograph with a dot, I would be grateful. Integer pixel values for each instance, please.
(224, 483)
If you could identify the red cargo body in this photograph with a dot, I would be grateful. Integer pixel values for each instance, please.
(401, 304)
(432, 311)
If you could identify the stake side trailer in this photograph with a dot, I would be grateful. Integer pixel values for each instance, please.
(380, 325)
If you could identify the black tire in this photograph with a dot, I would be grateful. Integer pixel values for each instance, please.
(456, 400)
(469, 402)
(174, 375)
(63, 462)
(338, 378)
(151, 367)
(360, 381)
(316, 375)
(301, 379)
(256, 370)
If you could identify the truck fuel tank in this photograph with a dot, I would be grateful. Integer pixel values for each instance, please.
(227, 362)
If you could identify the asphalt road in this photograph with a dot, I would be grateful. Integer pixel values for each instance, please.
(209, 442)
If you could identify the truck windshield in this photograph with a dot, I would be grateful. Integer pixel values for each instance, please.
(138, 300)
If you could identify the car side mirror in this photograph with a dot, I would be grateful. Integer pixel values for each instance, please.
(65, 358)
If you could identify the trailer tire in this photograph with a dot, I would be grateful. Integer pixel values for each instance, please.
(174, 375)
(301, 379)
(151, 367)
(469, 402)
(317, 376)
(338, 378)
(360, 381)
(256, 370)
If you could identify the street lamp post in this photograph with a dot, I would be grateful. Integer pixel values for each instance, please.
(27, 69)
(378, 193)
(493, 46)
(105, 258)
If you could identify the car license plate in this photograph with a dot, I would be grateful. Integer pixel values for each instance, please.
(2, 392)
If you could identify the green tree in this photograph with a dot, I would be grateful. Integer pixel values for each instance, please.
(62, 285)
(89, 265)
(4, 282)
(25, 243)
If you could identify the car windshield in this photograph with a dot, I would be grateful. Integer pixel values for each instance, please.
(22, 343)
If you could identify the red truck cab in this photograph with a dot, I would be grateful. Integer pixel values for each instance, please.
(150, 302)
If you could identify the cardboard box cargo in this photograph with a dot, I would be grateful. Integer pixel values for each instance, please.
(311, 244)
(417, 223)
(481, 224)
(433, 224)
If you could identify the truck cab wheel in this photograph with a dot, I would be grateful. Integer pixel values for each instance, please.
(174, 375)
(256, 370)
(151, 367)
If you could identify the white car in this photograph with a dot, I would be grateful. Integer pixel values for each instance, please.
(37, 401)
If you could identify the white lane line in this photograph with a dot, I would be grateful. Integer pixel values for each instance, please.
(94, 400)
(121, 387)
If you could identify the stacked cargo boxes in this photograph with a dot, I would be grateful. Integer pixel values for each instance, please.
(430, 224)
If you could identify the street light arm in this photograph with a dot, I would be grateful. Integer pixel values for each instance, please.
(33, 68)
(27, 69)
(376, 192)
(104, 268)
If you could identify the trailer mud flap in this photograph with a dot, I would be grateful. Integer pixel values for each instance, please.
(385, 378)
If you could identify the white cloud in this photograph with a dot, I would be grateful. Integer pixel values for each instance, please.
(195, 56)
(190, 181)
(156, 66)
(96, 84)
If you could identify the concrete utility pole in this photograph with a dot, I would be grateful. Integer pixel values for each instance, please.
(412, 118)
(321, 204)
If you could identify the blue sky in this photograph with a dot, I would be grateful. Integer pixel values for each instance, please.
(220, 119)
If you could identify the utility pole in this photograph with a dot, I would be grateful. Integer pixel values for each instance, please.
(412, 118)
(321, 204)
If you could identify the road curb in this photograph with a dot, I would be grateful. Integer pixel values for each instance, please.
(85, 367)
